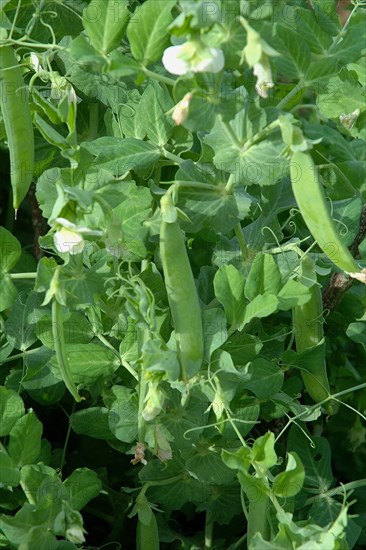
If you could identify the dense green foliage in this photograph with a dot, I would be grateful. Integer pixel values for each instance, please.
(182, 360)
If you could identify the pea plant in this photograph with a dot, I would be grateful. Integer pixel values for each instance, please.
(183, 270)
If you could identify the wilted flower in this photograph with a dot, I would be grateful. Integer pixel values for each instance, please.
(262, 70)
(193, 56)
(181, 109)
(256, 54)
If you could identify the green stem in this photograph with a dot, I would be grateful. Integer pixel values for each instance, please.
(23, 275)
(171, 156)
(68, 433)
(344, 488)
(59, 343)
(208, 530)
(259, 136)
(19, 355)
(299, 86)
(143, 336)
(343, 31)
(242, 243)
(123, 363)
(231, 134)
(230, 184)
(159, 77)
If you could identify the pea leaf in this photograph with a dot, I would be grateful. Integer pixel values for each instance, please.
(105, 21)
(147, 30)
(121, 155)
(25, 439)
(289, 483)
(229, 290)
(11, 409)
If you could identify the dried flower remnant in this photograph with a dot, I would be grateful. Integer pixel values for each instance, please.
(139, 454)
(181, 110)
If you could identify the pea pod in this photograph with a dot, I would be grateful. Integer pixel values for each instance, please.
(147, 535)
(308, 329)
(311, 200)
(18, 124)
(182, 294)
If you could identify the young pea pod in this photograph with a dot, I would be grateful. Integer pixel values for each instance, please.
(147, 534)
(182, 293)
(308, 329)
(311, 200)
(18, 124)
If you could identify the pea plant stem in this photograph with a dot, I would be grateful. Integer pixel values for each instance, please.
(20, 355)
(297, 89)
(22, 275)
(242, 243)
(59, 343)
(159, 77)
(208, 530)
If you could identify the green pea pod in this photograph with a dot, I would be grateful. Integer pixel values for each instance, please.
(147, 535)
(311, 200)
(182, 296)
(18, 124)
(308, 329)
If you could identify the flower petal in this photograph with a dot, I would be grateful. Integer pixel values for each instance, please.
(68, 241)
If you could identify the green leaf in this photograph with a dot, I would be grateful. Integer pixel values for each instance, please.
(316, 459)
(262, 306)
(264, 277)
(263, 452)
(20, 325)
(11, 409)
(238, 460)
(263, 378)
(296, 55)
(206, 466)
(290, 482)
(357, 332)
(229, 290)
(9, 473)
(82, 486)
(214, 329)
(8, 292)
(88, 362)
(25, 439)
(121, 155)
(155, 102)
(147, 30)
(105, 21)
(32, 476)
(92, 422)
(292, 294)
(10, 251)
(123, 414)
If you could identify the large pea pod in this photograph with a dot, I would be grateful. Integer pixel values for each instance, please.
(147, 536)
(182, 295)
(308, 329)
(17, 117)
(311, 200)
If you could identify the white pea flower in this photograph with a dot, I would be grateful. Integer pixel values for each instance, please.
(68, 238)
(193, 56)
(262, 70)
(181, 109)
(34, 62)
